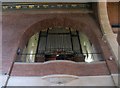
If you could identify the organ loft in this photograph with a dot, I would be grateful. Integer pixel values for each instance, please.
(60, 43)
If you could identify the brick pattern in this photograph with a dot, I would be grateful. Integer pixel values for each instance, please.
(112, 8)
(118, 37)
(70, 68)
(19, 26)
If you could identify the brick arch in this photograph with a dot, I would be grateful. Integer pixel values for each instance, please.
(81, 26)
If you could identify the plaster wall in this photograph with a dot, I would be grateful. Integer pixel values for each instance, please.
(68, 80)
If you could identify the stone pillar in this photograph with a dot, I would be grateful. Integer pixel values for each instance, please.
(108, 34)
(106, 28)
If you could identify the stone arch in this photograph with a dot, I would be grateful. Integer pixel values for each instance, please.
(89, 30)
(106, 28)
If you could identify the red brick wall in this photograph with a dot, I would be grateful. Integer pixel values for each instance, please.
(19, 26)
(113, 12)
(118, 37)
(70, 68)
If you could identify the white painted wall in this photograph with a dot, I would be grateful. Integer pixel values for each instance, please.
(67, 79)
(3, 80)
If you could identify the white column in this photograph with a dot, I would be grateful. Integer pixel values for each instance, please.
(110, 37)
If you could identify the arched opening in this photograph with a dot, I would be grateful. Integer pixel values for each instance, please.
(83, 23)
(59, 43)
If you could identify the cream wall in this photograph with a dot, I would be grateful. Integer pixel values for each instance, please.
(108, 36)
(61, 80)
